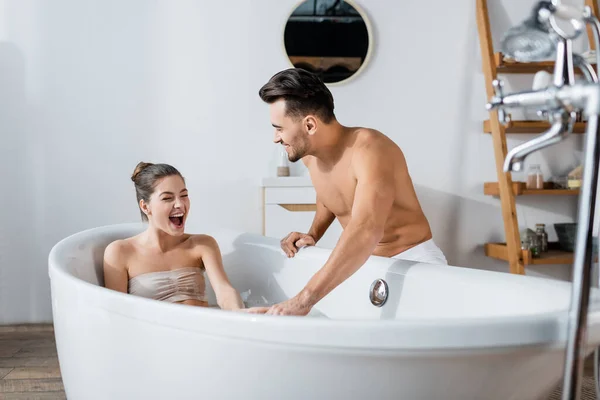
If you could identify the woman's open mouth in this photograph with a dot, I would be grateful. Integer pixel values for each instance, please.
(177, 220)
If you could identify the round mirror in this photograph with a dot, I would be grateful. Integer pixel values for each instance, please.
(328, 37)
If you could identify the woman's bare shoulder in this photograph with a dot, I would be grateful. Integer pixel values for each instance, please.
(203, 240)
(119, 250)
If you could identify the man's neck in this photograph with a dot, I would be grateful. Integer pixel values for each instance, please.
(329, 143)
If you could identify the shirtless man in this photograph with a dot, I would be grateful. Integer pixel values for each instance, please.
(360, 177)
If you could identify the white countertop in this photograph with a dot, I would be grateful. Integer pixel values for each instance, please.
(287, 181)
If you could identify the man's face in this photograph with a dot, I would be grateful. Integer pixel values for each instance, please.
(290, 132)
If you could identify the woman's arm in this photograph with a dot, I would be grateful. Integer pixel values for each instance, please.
(115, 271)
(227, 297)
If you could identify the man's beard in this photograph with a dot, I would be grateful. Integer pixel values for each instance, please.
(297, 153)
(294, 157)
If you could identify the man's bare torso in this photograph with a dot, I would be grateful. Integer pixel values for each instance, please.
(335, 184)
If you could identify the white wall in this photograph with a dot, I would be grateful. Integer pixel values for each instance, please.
(90, 88)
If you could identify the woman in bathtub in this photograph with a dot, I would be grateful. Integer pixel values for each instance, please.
(163, 262)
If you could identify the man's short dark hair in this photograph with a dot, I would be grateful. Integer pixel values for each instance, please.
(304, 93)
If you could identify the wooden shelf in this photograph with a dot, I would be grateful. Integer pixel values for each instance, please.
(520, 189)
(553, 256)
(526, 127)
(493, 66)
(510, 67)
(299, 207)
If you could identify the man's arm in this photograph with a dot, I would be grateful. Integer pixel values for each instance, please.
(296, 240)
(374, 170)
(323, 217)
(373, 200)
(321, 222)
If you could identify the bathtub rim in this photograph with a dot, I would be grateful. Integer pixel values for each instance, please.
(548, 328)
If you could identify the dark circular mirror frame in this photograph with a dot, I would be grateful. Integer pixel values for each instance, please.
(331, 38)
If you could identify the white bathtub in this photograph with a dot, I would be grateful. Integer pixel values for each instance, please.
(444, 332)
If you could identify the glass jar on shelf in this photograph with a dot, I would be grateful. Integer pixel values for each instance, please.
(535, 178)
(531, 242)
(525, 243)
(535, 246)
(540, 230)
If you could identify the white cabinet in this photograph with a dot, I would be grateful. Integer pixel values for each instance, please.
(289, 205)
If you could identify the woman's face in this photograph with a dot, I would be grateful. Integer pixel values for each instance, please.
(169, 205)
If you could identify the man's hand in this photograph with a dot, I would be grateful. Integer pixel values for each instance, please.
(294, 241)
(294, 306)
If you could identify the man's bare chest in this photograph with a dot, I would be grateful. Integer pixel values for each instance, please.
(335, 191)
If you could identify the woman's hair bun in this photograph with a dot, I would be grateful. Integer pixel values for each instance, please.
(139, 168)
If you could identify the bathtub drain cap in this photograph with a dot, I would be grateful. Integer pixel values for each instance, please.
(379, 292)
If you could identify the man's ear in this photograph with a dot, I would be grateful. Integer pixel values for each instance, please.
(310, 124)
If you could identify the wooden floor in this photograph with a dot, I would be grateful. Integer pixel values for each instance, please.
(29, 366)
(588, 386)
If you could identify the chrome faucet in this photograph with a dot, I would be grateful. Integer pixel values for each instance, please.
(562, 126)
(560, 101)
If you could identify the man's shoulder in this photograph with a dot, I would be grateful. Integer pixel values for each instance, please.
(372, 141)
(374, 152)
(364, 132)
